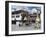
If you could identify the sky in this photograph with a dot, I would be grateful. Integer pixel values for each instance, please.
(30, 9)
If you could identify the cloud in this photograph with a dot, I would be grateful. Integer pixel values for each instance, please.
(30, 10)
(21, 8)
(34, 10)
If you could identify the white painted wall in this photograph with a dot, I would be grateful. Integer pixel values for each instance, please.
(2, 19)
(17, 18)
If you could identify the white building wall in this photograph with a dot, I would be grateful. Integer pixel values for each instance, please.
(18, 18)
(17, 23)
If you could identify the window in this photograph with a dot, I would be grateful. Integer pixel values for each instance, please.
(17, 16)
(13, 16)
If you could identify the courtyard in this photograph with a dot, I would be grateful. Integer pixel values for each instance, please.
(24, 27)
